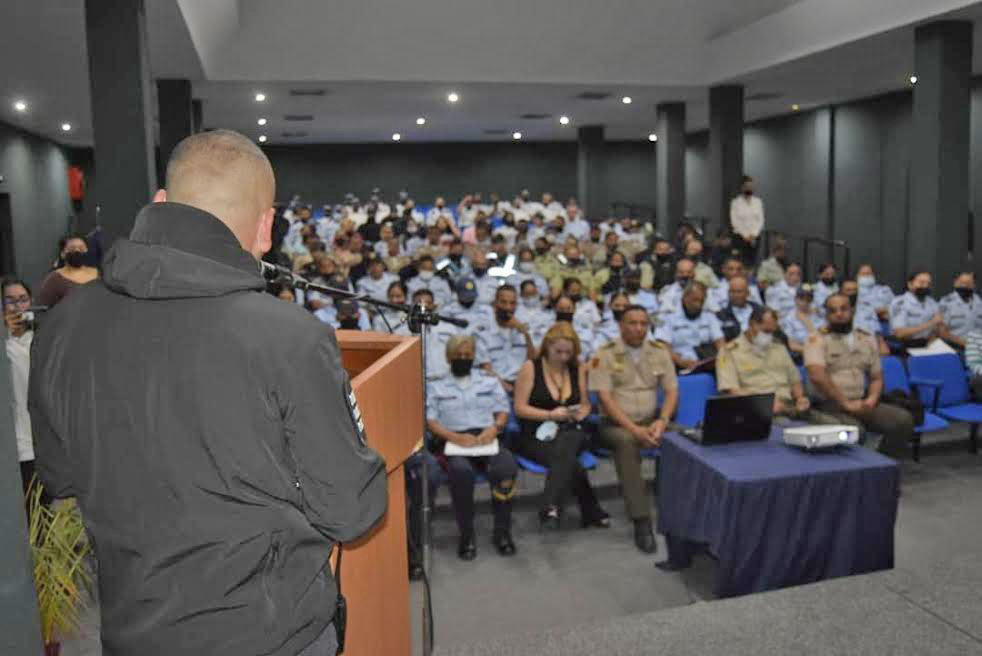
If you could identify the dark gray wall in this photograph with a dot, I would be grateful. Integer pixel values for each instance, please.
(35, 173)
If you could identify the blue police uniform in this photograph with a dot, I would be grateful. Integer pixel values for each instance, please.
(670, 300)
(683, 335)
(646, 299)
(538, 319)
(505, 350)
(479, 317)
(377, 289)
(516, 280)
(875, 296)
(487, 286)
(780, 298)
(329, 315)
(961, 317)
(866, 320)
(821, 291)
(437, 285)
(796, 330)
(607, 331)
(906, 311)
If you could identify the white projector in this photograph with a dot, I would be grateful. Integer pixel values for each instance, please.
(820, 436)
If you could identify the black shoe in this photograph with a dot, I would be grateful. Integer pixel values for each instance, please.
(644, 537)
(549, 519)
(467, 550)
(503, 543)
(596, 518)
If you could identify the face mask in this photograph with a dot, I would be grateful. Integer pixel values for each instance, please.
(841, 328)
(564, 316)
(682, 280)
(828, 281)
(922, 292)
(75, 259)
(426, 275)
(616, 269)
(461, 367)
(531, 302)
(632, 286)
(748, 193)
(526, 267)
(865, 282)
(542, 250)
(574, 261)
(664, 257)
(349, 323)
(763, 340)
(467, 304)
(618, 314)
(965, 292)
(455, 258)
(503, 316)
(576, 298)
(480, 271)
(689, 314)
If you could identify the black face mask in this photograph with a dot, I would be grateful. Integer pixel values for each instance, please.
(965, 292)
(748, 193)
(467, 304)
(616, 270)
(574, 261)
(682, 280)
(664, 257)
(576, 298)
(841, 328)
(564, 316)
(689, 314)
(349, 323)
(75, 258)
(852, 299)
(828, 281)
(618, 314)
(542, 251)
(632, 286)
(922, 292)
(480, 271)
(503, 316)
(461, 367)
(455, 258)
(783, 261)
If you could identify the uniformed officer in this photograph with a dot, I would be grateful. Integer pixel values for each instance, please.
(826, 285)
(478, 316)
(531, 312)
(915, 317)
(486, 285)
(507, 343)
(670, 298)
(690, 328)
(801, 323)
(734, 317)
(574, 267)
(864, 318)
(428, 279)
(876, 296)
(610, 328)
(782, 295)
(771, 271)
(961, 309)
(527, 271)
(719, 295)
(585, 328)
(469, 408)
(840, 359)
(695, 251)
(639, 296)
(390, 321)
(586, 309)
(757, 363)
(627, 374)
(344, 315)
(436, 339)
(376, 283)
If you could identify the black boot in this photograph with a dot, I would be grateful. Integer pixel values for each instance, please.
(466, 549)
(503, 543)
(644, 537)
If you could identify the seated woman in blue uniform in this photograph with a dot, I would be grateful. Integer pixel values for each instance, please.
(551, 402)
(468, 409)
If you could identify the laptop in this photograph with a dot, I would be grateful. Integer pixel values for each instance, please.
(735, 419)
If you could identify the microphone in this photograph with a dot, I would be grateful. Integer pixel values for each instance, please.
(273, 271)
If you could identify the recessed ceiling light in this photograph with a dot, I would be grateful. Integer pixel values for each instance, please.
(20, 106)
(66, 127)
(795, 107)
(260, 97)
(262, 138)
(626, 100)
(913, 79)
(516, 135)
(564, 120)
(421, 121)
(261, 121)
(453, 97)
(396, 137)
(652, 137)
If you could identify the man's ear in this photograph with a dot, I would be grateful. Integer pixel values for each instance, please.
(160, 196)
(264, 234)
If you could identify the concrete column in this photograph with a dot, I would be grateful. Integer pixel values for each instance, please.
(122, 115)
(938, 234)
(725, 148)
(670, 170)
(176, 118)
(196, 115)
(590, 171)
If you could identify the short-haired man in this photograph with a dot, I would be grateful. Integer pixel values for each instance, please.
(734, 317)
(840, 359)
(508, 342)
(781, 296)
(692, 333)
(627, 374)
(719, 295)
(427, 278)
(670, 298)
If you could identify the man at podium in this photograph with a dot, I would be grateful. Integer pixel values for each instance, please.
(207, 429)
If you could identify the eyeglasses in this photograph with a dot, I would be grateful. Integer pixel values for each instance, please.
(20, 300)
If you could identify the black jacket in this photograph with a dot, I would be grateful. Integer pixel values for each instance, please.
(205, 428)
(729, 323)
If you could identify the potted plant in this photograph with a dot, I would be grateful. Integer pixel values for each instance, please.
(59, 547)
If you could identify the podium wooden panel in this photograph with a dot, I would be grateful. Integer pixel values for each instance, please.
(386, 376)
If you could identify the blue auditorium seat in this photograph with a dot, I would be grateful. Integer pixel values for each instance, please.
(895, 378)
(943, 387)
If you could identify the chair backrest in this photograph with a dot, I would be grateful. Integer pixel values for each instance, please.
(694, 389)
(946, 368)
(894, 374)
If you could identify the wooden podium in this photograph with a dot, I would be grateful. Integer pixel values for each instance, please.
(386, 375)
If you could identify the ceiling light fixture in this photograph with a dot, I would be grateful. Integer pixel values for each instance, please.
(652, 137)
(260, 97)
(66, 127)
(913, 79)
(626, 100)
(396, 137)
(795, 107)
(453, 97)
(516, 135)
(421, 121)
(262, 138)
(261, 121)
(564, 120)
(20, 106)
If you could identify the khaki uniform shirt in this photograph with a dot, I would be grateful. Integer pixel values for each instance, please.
(849, 359)
(741, 366)
(633, 386)
(583, 273)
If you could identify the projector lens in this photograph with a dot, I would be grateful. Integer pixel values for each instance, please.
(843, 436)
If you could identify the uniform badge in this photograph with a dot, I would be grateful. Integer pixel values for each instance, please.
(354, 412)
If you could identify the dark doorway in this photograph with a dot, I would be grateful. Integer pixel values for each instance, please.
(7, 264)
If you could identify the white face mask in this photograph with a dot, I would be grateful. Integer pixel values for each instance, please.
(763, 340)
(865, 282)
(526, 267)
(426, 275)
(531, 302)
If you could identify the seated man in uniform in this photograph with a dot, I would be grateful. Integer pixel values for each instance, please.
(878, 297)
(468, 307)
(961, 310)
(734, 317)
(864, 317)
(719, 295)
(692, 334)
(781, 295)
(627, 374)
(840, 359)
(915, 318)
(507, 343)
(670, 298)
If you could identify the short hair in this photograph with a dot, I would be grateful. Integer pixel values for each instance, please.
(561, 330)
(569, 281)
(456, 341)
(684, 259)
(779, 243)
(836, 295)
(10, 281)
(619, 294)
(634, 307)
(963, 273)
(916, 273)
(396, 283)
(745, 179)
(419, 293)
(529, 282)
(825, 265)
(761, 311)
(694, 285)
(426, 257)
(505, 288)
(740, 276)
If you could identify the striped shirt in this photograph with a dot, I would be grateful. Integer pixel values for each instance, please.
(973, 351)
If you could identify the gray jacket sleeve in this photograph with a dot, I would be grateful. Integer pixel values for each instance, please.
(51, 456)
(342, 481)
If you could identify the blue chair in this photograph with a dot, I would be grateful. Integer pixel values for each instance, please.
(949, 397)
(587, 461)
(895, 378)
(694, 389)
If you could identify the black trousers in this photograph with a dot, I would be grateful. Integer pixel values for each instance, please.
(500, 470)
(565, 473)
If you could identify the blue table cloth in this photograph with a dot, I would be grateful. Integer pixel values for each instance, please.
(774, 515)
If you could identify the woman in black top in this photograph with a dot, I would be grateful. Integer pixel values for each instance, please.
(552, 387)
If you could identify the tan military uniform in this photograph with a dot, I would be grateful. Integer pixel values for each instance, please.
(633, 385)
(741, 366)
(583, 273)
(849, 359)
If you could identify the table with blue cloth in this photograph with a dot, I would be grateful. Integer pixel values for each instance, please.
(774, 515)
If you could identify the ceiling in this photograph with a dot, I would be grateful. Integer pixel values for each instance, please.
(383, 63)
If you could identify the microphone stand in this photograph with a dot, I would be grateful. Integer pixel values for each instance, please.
(420, 318)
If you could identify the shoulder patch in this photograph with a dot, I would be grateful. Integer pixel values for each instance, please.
(657, 344)
(823, 330)
(864, 333)
(609, 345)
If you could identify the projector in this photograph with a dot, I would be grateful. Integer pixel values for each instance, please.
(820, 436)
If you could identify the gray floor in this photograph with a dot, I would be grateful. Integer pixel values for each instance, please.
(590, 591)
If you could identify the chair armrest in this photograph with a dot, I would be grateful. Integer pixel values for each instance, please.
(936, 385)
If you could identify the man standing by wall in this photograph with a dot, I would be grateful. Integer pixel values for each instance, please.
(747, 220)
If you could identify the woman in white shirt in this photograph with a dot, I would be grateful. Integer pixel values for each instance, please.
(20, 333)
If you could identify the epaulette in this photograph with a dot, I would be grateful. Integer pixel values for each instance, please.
(657, 344)
(609, 345)
(824, 330)
(863, 332)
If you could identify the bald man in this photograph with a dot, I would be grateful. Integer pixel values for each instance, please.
(207, 429)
